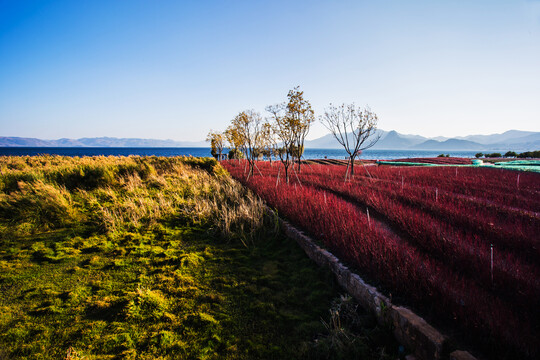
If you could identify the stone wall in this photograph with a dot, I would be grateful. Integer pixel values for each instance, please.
(410, 329)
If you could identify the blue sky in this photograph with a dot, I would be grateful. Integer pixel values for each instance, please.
(176, 69)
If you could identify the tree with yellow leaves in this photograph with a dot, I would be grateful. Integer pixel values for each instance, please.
(267, 141)
(300, 115)
(247, 128)
(217, 142)
(235, 142)
(291, 122)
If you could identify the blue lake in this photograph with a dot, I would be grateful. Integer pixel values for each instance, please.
(203, 151)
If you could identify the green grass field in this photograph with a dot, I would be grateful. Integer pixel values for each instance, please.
(169, 258)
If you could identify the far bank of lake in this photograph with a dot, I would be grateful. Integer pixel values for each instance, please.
(205, 151)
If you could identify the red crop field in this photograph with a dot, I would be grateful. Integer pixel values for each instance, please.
(460, 245)
(437, 161)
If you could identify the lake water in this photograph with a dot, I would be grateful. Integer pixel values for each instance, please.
(202, 152)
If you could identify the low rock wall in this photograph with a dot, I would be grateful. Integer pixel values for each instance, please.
(410, 329)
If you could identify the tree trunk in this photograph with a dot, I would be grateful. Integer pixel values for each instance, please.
(251, 167)
(352, 165)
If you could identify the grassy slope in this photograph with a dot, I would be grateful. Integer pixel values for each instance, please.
(158, 258)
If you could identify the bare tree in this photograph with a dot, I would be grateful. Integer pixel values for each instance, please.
(354, 128)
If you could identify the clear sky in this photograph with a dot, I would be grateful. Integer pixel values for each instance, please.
(176, 69)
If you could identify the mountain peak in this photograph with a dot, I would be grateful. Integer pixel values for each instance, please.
(393, 140)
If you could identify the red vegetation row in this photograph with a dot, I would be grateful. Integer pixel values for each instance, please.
(437, 160)
(463, 251)
(503, 188)
(509, 228)
(430, 240)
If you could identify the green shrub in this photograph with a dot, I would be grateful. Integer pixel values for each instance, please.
(208, 164)
(235, 154)
(190, 259)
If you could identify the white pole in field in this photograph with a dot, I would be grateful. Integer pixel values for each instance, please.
(491, 265)
(436, 194)
(368, 220)
(518, 181)
(402, 183)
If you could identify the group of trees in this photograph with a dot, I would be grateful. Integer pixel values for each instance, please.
(523, 155)
(283, 132)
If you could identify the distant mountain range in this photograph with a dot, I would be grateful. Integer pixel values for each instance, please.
(97, 142)
(515, 140)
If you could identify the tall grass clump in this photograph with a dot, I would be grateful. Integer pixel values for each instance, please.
(125, 193)
(118, 194)
(239, 213)
(85, 176)
(42, 205)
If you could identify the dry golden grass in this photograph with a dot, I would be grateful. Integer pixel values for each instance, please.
(50, 191)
